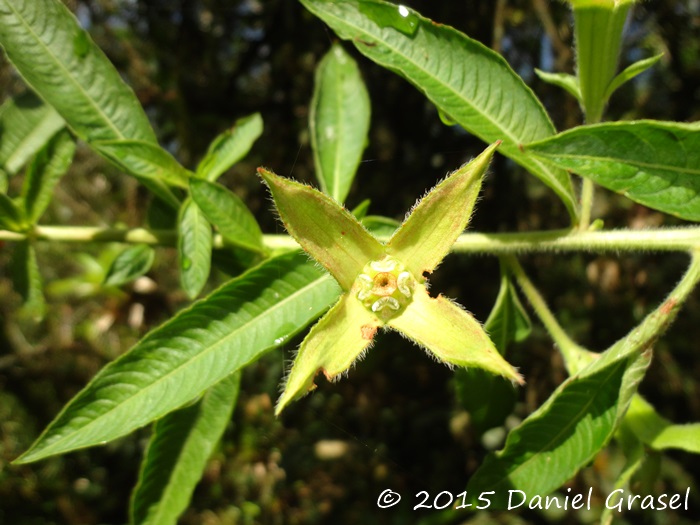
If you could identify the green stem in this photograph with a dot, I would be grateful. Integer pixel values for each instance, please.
(566, 240)
(575, 356)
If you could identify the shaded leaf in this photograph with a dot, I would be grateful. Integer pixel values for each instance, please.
(177, 454)
(472, 84)
(339, 122)
(228, 213)
(653, 163)
(230, 147)
(428, 233)
(196, 349)
(328, 232)
(10, 214)
(27, 281)
(130, 264)
(508, 321)
(43, 174)
(567, 431)
(26, 125)
(194, 245)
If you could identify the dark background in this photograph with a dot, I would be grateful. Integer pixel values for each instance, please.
(196, 66)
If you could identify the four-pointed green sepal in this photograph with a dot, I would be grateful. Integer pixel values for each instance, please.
(385, 285)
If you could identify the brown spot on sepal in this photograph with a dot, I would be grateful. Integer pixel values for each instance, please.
(368, 331)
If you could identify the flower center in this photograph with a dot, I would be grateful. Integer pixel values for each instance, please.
(385, 287)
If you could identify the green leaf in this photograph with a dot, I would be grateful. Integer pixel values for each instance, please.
(178, 452)
(579, 418)
(44, 173)
(225, 210)
(630, 72)
(199, 347)
(381, 227)
(39, 37)
(339, 122)
(63, 65)
(130, 264)
(653, 163)
(658, 432)
(565, 81)
(429, 232)
(144, 161)
(326, 231)
(508, 321)
(230, 147)
(27, 281)
(10, 214)
(331, 347)
(465, 80)
(194, 245)
(451, 334)
(26, 125)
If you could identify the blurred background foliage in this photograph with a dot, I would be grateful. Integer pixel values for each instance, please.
(395, 422)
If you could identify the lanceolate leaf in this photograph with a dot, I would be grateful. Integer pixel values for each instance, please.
(10, 215)
(329, 233)
(130, 264)
(630, 72)
(464, 79)
(193, 248)
(508, 321)
(579, 418)
(181, 444)
(228, 213)
(26, 125)
(654, 163)
(339, 122)
(44, 173)
(144, 161)
(565, 81)
(230, 147)
(63, 65)
(196, 349)
(27, 280)
(429, 232)
(658, 432)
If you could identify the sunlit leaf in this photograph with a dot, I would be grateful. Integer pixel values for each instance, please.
(472, 84)
(658, 432)
(26, 125)
(339, 122)
(630, 72)
(177, 454)
(230, 147)
(228, 213)
(194, 246)
(144, 160)
(196, 349)
(651, 162)
(565, 81)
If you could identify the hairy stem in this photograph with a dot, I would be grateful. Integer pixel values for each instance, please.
(666, 239)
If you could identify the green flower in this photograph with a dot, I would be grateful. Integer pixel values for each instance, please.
(384, 285)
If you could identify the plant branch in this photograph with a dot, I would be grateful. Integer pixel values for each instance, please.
(566, 240)
(575, 356)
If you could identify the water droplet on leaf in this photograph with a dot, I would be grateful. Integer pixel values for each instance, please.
(398, 17)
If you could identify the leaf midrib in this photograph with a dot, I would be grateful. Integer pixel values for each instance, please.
(66, 72)
(553, 179)
(614, 160)
(173, 372)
